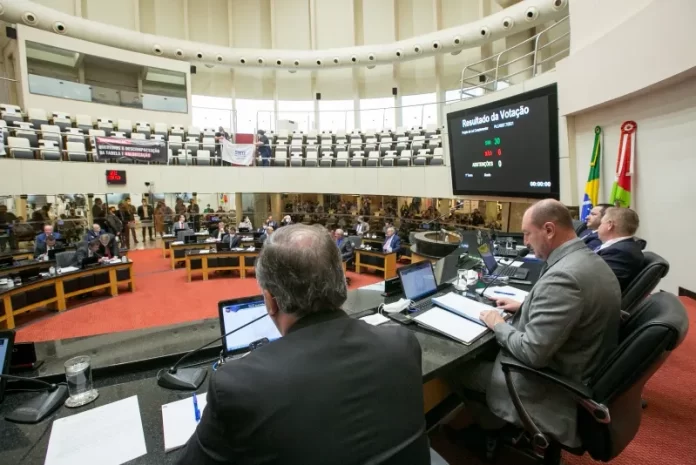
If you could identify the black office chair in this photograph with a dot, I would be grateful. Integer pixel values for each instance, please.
(610, 410)
(654, 269)
(579, 226)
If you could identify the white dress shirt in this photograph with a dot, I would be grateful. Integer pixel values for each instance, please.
(611, 242)
(387, 247)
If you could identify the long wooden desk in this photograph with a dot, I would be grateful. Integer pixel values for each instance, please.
(376, 260)
(228, 260)
(18, 254)
(178, 251)
(55, 290)
(29, 265)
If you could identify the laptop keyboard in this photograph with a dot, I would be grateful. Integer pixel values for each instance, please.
(428, 303)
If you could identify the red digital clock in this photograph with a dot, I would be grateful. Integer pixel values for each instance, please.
(115, 177)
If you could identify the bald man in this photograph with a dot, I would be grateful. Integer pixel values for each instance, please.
(619, 247)
(568, 324)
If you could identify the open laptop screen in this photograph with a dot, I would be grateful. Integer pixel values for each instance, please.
(237, 313)
(418, 280)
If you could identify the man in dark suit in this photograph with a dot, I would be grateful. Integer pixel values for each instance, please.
(619, 248)
(589, 236)
(93, 233)
(219, 233)
(40, 240)
(331, 390)
(344, 245)
(232, 239)
(145, 213)
(84, 251)
(108, 247)
(392, 243)
(42, 248)
(270, 223)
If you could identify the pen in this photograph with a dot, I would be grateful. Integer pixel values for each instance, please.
(503, 293)
(196, 412)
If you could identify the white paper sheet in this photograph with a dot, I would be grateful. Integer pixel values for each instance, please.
(454, 326)
(68, 269)
(375, 319)
(503, 291)
(108, 435)
(468, 308)
(509, 262)
(177, 243)
(179, 421)
(375, 287)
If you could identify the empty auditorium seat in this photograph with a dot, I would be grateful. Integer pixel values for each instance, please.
(312, 135)
(358, 158)
(172, 158)
(203, 157)
(373, 158)
(192, 146)
(326, 138)
(62, 120)
(417, 143)
(434, 141)
(138, 136)
(208, 143)
(342, 158)
(20, 148)
(431, 130)
(400, 132)
(194, 131)
(438, 157)
(327, 159)
(161, 129)
(283, 135)
(158, 137)
(175, 143)
(177, 130)
(404, 158)
(76, 151)
(370, 144)
(28, 134)
(312, 158)
(37, 117)
(281, 158)
(422, 157)
(402, 143)
(49, 150)
(105, 124)
(125, 126)
(74, 135)
(184, 157)
(84, 123)
(10, 113)
(119, 135)
(143, 127)
(95, 133)
(296, 159)
(389, 158)
(3, 128)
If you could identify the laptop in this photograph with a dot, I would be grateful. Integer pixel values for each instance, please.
(90, 262)
(446, 268)
(222, 246)
(191, 239)
(6, 342)
(419, 284)
(235, 313)
(485, 251)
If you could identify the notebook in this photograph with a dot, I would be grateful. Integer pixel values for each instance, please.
(179, 421)
(451, 325)
(459, 305)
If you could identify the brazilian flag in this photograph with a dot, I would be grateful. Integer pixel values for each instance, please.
(592, 187)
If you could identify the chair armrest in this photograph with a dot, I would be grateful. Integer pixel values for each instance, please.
(578, 389)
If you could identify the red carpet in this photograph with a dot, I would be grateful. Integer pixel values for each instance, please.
(164, 297)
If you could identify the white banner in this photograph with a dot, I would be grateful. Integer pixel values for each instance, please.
(238, 154)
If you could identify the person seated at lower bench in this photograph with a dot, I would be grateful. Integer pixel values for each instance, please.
(86, 250)
(344, 246)
(392, 243)
(42, 248)
(332, 389)
(40, 240)
(568, 324)
(219, 233)
(108, 247)
(180, 224)
(619, 248)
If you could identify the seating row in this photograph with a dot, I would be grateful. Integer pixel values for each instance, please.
(374, 158)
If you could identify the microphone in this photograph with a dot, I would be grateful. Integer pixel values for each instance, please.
(190, 379)
(38, 408)
(520, 253)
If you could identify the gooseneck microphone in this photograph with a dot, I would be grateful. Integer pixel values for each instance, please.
(190, 379)
(38, 408)
(520, 253)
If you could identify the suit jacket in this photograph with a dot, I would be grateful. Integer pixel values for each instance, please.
(273, 225)
(625, 258)
(569, 323)
(395, 243)
(332, 390)
(90, 236)
(141, 213)
(81, 254)
(232, 240)
(216, 232)
(112, 246)
(362, 228)
(176, 226)
(591, 239)
(40, 243)
(346, 248)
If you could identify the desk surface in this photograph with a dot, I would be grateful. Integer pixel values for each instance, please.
(125, 364)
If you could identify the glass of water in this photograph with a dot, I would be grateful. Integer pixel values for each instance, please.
(78, 373)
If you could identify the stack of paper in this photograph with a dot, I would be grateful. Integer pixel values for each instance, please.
(68, 269)
(505, 291)
(468, 308)
(179, 420)
(447, 323)
(107, 435)
(177, 242)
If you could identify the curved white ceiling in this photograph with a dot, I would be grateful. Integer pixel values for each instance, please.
(516, 18)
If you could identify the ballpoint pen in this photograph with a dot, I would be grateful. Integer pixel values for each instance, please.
(503, 293)
(196, 412)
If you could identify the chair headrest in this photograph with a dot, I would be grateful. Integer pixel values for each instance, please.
(654, 269)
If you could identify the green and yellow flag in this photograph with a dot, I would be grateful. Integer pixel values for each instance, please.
(592, 187)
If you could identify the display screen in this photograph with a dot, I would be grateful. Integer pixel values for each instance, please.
(115, 177)
(507, 148)
(418, 280)
(4, 344)
(235, 316)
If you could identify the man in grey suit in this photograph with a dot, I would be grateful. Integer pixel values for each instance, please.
(568, 324)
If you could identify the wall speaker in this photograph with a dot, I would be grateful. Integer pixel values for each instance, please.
(318, 95)
(11, 32)
(193, 69)
(395, 91)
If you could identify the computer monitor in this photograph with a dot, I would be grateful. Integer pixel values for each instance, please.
(6, 342)
(418, 280)
(236, 313)
(243, 230)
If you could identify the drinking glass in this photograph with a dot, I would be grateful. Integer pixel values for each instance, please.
(78, 373)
